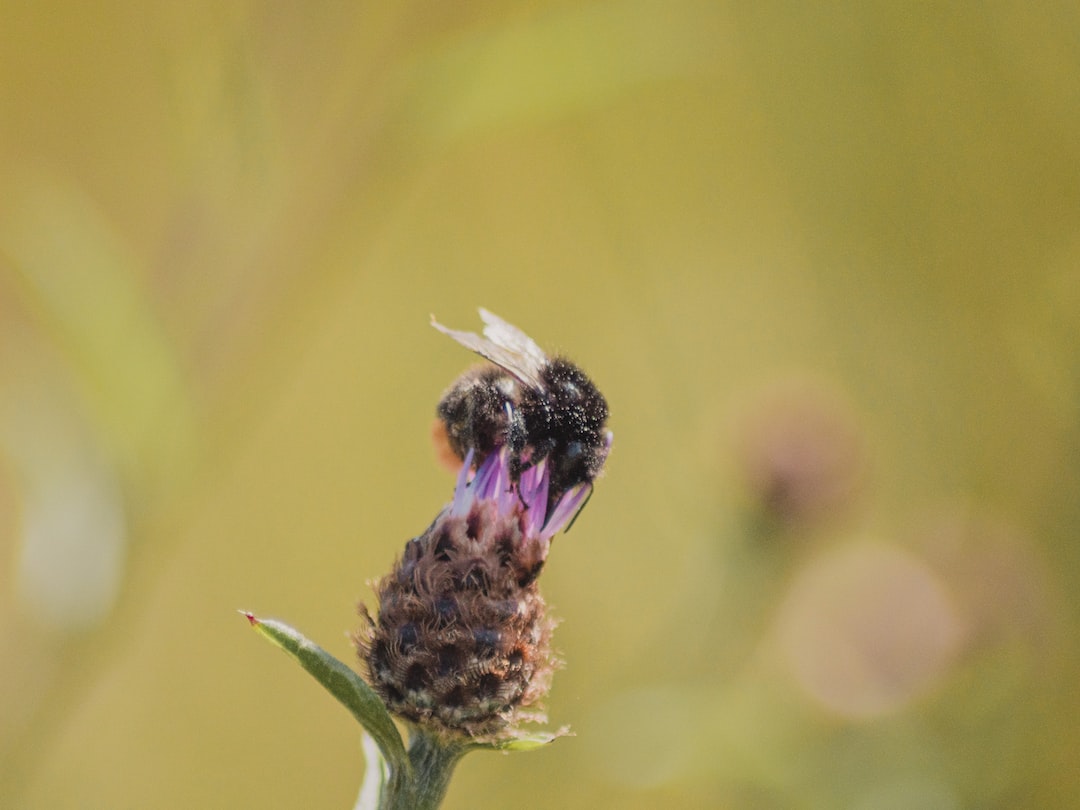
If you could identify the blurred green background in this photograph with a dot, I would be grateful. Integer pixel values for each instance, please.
(824, 263)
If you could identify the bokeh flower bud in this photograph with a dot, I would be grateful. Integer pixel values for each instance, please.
(801, 455)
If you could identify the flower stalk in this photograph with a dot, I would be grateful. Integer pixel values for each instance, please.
(459, 647)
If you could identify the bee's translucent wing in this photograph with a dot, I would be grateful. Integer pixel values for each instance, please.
(509, 336)
(504, 345)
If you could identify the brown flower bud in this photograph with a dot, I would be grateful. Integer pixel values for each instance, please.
(462, 640)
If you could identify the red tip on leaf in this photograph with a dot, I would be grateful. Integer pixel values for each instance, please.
(250, 617)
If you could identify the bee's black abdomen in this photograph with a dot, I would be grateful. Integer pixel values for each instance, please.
(565, 424)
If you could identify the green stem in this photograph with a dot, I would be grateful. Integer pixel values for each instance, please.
(432, 764)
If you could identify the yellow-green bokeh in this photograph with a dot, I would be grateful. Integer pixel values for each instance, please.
(823, 262)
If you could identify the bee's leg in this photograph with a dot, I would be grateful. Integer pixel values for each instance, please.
(516, 439)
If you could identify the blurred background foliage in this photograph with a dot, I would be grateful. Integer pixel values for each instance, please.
(824, 262)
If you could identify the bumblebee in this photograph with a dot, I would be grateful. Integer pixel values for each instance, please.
(539, 408)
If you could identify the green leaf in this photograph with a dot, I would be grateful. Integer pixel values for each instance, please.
(523, 742)
(344, 684)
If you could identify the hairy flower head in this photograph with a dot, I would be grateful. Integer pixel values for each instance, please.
(461, 644)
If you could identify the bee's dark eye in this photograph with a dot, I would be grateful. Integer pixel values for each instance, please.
(574, 449)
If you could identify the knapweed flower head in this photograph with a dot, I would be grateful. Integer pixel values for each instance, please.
(461, 645)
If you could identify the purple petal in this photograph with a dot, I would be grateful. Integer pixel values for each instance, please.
(531, 480)
(482, 482)
(567, 508)
(492, 477)
(609, 437)
(534, 492)
(504, 494)
(461, 500)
